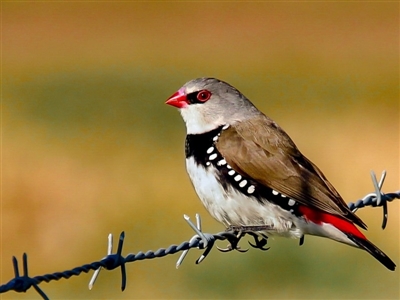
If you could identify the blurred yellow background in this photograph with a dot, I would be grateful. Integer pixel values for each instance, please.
(89, 148)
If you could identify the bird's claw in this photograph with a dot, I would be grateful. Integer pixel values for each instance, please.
(242, 250)
(230, 247)
(259, 242)
(227, 249)
(233, 242)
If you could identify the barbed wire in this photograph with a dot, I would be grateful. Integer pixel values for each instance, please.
(201, 240)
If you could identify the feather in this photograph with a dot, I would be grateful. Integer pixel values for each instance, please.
(259, 149)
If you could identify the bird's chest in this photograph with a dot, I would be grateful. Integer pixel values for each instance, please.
(210, 190)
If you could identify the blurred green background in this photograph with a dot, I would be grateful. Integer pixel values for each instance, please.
(89, 148)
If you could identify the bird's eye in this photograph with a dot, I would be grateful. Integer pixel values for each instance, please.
(203, 95)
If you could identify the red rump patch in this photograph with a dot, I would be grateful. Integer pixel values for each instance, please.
(318, 216)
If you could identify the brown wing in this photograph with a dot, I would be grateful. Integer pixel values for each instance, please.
(261, 150)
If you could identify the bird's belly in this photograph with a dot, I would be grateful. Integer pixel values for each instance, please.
(231, 207)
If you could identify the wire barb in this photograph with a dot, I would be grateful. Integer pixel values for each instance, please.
(97, 272)
(22, 283)
(205, 241)
(200, 240)
(376, 199)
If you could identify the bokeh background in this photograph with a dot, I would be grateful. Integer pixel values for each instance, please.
(89, 148)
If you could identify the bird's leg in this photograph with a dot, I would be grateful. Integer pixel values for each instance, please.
(247, 229)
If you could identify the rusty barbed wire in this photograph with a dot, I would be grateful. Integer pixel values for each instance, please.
(201, 240)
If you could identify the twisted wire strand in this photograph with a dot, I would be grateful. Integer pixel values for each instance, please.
(21, 283)
(112, 261)
(370, 200)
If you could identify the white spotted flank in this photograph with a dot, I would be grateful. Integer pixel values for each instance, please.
(213, 156)
(221, 162)
(251, 189)
(238, 178)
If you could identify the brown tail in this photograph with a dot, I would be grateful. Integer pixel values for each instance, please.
(373, 250)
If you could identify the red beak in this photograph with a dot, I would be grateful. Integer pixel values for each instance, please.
(178, 99)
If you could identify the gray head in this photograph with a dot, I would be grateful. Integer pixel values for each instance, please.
(206, 103)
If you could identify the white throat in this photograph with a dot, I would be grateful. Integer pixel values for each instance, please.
(197, 121)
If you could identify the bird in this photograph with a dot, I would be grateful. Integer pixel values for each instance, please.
(250, 175)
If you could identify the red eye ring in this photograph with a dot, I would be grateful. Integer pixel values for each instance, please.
(203, 95)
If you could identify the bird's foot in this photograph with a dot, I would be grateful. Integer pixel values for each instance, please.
(241, 231)
(233, 242)
(260, 242)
